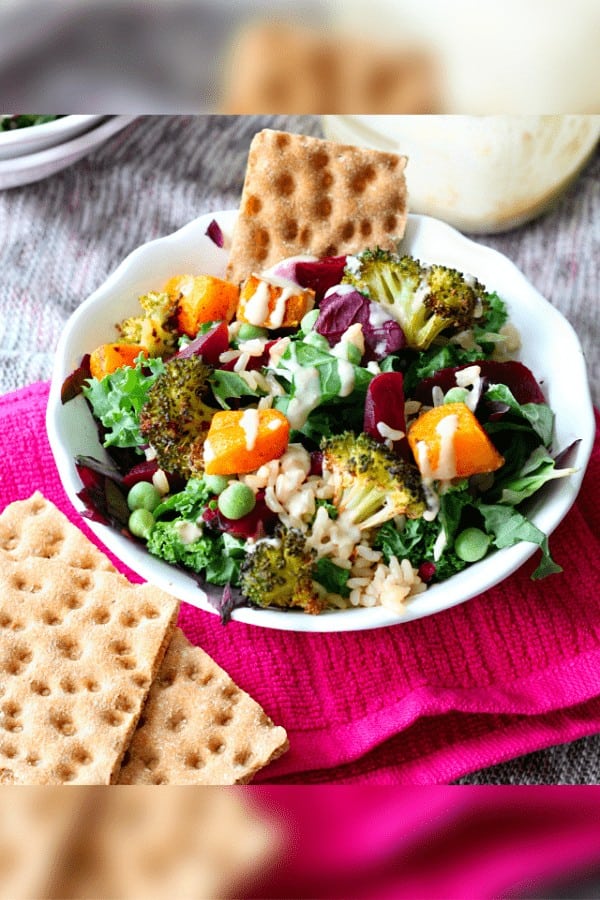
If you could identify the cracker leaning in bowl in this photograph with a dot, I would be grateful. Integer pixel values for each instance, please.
(82, 657)
(303, 195)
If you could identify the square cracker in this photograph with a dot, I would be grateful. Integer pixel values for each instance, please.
(303, 195)
(79, 650)
(178, 842)
(36, 528)
(198, 727)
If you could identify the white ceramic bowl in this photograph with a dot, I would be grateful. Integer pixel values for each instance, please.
(43, 163)
(23, 141)
(550, 348)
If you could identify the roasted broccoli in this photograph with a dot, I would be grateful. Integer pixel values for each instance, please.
(278, 573)
(175, 418)
(155, 329)
(425, 300)
(372, 484)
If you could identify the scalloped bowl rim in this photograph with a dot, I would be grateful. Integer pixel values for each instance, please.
(71, 429)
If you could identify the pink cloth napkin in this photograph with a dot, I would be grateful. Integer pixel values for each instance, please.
(511, 671)
(381, 843)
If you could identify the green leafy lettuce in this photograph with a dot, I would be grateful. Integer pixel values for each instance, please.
(215, 556)
(118, 398)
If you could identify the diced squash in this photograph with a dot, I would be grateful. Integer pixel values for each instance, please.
(271, 305)
(202, 298)
(241, 441)
(453, 443)
(109, 357)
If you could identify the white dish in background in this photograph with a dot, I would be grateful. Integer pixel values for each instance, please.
(33, 138)
(35, 166)
(550, 348)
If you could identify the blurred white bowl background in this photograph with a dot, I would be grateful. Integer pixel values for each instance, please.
(481, 174)
(33, 138)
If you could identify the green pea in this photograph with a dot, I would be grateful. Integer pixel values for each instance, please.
(317, 340)
(216, 483)
(471, 544)
(249, 332)
(456, 395)
(143, 495)
(141, 522)
(236, 501)
(309, 321)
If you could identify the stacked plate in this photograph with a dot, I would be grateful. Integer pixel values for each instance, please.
(35, 152)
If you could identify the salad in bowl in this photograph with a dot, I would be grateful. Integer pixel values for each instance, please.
(345, 436)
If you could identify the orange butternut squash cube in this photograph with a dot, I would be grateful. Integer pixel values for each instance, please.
(202, 298)
(448, 442)
(107, 358)
(239, 442)
(271, 305)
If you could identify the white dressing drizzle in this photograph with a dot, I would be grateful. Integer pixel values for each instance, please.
(308, 395)
(346, 373)
(256, 310)
(392, 434)
(249, 425)
(188, 532)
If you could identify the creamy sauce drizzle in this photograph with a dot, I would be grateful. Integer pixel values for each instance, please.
(249, 425)
(308, 395)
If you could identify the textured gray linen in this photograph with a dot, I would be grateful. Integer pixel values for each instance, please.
(60, 239)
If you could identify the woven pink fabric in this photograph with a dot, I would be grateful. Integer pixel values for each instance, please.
(425, 702)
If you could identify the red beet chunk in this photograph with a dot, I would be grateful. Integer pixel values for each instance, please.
(321, 274)
(426, 571)
(74, 383)
(143, 471)
(316, 463)
(385, 403)
(518, 378)
(209, 346)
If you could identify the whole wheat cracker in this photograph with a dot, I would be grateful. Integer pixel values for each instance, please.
(35, 527)
(281, 67)
(36, 826)
(303, 195)
(177, 842)
(198, 727)
(79, 650)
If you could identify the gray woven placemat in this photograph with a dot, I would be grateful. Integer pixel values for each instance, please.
(60, 238)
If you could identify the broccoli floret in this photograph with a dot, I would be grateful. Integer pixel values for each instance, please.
(278, 573)
(155, 329)
(175, 418)
(425, 300)
(371, 483)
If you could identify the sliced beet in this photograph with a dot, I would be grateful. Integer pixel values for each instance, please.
(320, 275)
(426, 571)
(73, 384)
(143, 471)
(384, 403)
(517, 377)
(209, 346)
(316, 463)
(343, 308)
(214, 233)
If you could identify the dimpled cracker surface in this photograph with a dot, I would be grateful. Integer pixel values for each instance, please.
(198, 727)
(78, 652)
(36, 528)
(303, 195)
(179, 842)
